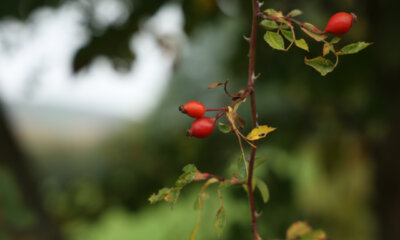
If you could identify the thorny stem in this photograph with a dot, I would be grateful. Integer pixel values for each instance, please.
(251, 78)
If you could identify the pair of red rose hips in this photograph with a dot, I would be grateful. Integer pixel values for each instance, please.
(340, 23)
(201, 127)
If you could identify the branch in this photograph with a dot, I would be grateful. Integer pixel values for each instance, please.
(301, 24)
(250, 83)
(240, 98)
(203, 176)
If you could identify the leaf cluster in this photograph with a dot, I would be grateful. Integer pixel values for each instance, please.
(280, 27)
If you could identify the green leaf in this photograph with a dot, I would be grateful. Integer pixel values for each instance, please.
(224, 128)
(225, 184)
(253, 184)
(259, 161)
(220, 221)
(268, 24)
(315, 36)
(270, 11)
(295, 12)
(263, 188)
(335, 40)
(328, 47)
(288, 35)
(172, 196)
(321, 64)
(273, 13)
(189, 173)
(236, 107)
(259, 132)
(301, 43)
(274, 40)
(160, 195)
(297, 230)
(189, 168)
(242, 169)
(284, 24)
(245, 188)
(314, 235)
(312, 28)
(353, 48)
(325, 49)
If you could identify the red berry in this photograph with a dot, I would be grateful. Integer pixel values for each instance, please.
(202, 127)
(193, 108)
(340, 23)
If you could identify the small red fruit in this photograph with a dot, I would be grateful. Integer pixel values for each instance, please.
(202, 127)
(340, 23)
(193, 108)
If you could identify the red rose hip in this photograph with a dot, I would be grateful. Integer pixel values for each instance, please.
(340, 23)
(193, 108)
(202, 127)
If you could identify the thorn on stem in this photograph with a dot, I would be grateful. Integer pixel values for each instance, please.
(255, 77)
(246, 38)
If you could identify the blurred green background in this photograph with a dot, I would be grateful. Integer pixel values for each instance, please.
(71, 172)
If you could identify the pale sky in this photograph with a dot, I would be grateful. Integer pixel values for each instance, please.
(43, 48)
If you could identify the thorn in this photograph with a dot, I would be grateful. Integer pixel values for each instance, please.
(246, 38)
(255, 77)
(260, 4)
(259, 214)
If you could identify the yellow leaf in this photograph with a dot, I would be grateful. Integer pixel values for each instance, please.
(259, 132)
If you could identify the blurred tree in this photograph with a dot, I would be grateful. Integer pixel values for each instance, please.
(13, 158)
(385, 84)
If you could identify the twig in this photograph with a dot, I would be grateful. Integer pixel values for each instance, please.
(203, 176)
(301, 24)
(215, 109)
